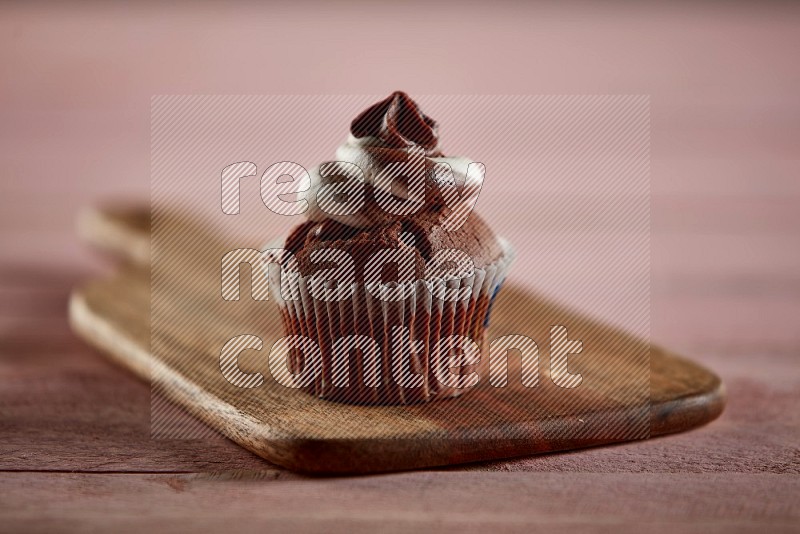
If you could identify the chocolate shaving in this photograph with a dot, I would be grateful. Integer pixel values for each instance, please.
(399, 123)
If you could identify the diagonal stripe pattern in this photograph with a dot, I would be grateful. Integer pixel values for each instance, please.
(578, 165)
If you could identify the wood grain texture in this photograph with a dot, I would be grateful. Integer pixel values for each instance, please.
(67, 409)
(303, 433)
(63, 408)
(122, 231)
(440, 501)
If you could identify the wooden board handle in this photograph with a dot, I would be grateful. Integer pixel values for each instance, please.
(119, 230)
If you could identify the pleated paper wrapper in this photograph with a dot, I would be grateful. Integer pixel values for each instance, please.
(395, 344)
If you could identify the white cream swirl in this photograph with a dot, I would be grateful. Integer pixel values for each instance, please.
(361, 162)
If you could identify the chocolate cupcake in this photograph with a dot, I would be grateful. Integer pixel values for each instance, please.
(394, 276)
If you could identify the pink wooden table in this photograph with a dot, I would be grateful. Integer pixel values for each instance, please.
(75, 451)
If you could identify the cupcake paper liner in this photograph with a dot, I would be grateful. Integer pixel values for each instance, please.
(393, 350)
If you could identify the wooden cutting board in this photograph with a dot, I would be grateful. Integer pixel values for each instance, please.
(303, 433)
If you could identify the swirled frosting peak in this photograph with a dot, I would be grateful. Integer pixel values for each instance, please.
(387, 135)
(397, 122)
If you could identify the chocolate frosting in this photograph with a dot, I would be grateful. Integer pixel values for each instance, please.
(391, 132)
(386, 133)
(398, 122)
